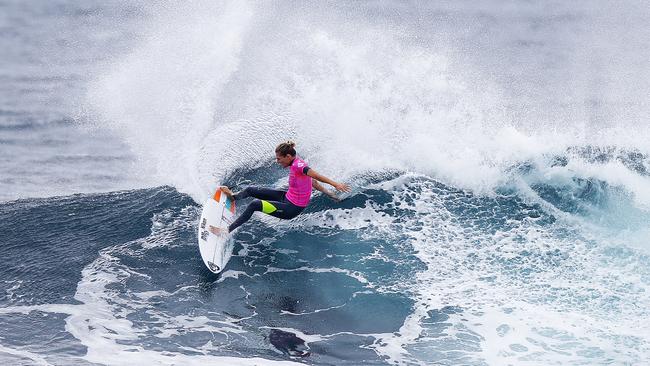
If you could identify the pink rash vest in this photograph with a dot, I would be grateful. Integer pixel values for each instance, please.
(299, 183)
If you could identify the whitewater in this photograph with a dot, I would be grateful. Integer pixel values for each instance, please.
(498, 153)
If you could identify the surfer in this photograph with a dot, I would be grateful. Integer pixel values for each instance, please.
(279, 203)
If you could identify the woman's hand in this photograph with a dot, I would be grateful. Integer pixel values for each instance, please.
(342, 187)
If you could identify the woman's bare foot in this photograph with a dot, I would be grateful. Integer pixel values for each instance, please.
(227, 191)
(218, 230)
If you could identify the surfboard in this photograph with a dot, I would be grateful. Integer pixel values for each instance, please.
(216, 250)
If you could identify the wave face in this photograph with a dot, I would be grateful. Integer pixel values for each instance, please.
(501, 173)
(408, 270)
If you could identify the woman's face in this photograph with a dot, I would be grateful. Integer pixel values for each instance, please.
(284, 160)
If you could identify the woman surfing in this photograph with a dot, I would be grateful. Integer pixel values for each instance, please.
(279, 203)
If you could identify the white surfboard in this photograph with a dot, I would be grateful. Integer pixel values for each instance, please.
(218, 211)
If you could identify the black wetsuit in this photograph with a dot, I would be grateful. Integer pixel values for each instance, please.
(270, 201)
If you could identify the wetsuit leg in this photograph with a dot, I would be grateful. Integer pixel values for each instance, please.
(261, 193)
(282, 210)
(256, 205)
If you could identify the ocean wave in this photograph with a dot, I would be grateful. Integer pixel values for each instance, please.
(407, 269)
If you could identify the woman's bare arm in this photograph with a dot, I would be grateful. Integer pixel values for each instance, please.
(319, 187)
(321, 178)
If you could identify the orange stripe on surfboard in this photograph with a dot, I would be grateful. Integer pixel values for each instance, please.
(229, 202)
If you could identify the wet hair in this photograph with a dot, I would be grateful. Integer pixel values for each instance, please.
(286, 148)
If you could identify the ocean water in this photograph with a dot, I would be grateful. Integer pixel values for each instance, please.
(498, 153)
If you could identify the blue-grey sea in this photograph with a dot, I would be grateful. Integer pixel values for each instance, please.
(498, 151)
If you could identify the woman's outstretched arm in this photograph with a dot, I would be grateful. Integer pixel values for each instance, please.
(319, 187)
(342, 187)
